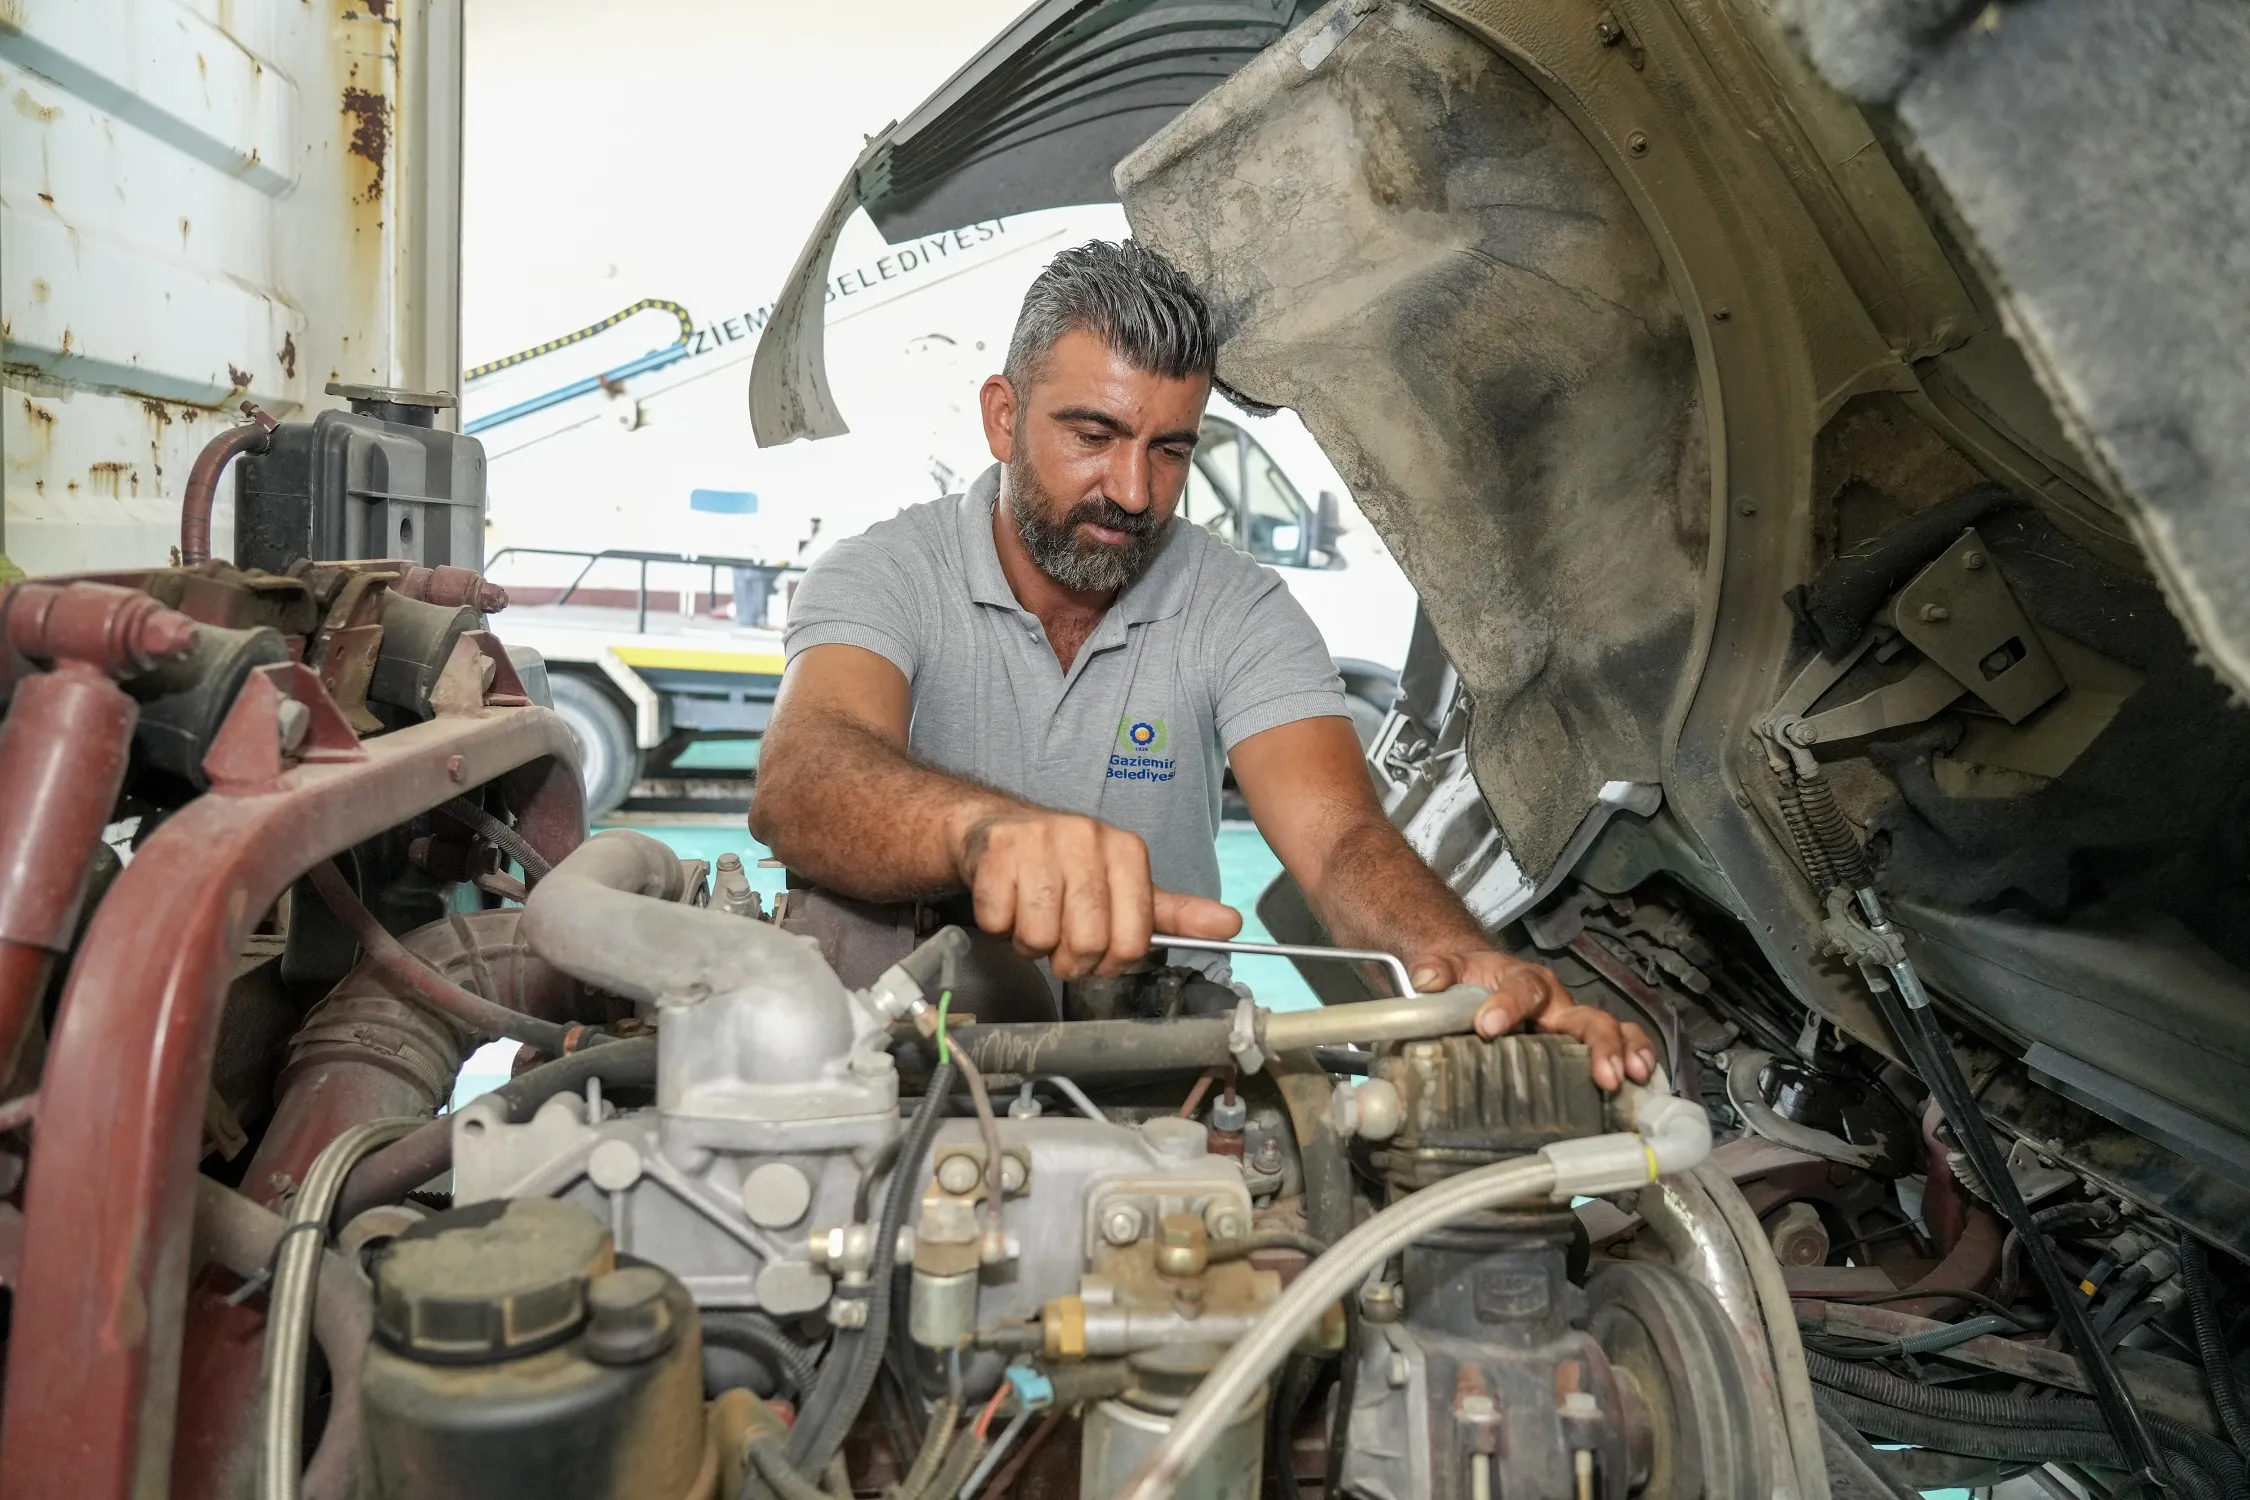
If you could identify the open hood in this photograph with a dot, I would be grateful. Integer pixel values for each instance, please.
(1038, 119)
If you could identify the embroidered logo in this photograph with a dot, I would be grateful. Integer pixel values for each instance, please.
(1146, 736)
(1140, 751)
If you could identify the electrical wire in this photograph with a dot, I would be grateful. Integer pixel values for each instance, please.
(988, 1125)
(849, 1372)
(1268, 1239)
(289, 1302)
(2210, 1348)
(2045, 1418)
(1005, 1480)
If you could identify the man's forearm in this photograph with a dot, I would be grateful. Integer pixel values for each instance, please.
(1374, 891)
(850, 809)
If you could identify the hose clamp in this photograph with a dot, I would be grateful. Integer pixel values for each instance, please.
(1242, 1037)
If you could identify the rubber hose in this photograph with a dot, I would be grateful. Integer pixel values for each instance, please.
(750, 1332)
(425, 986)
(1251, 1359)
(1988, 1409)
(2050, 1221)
(1800, 1419)
(2121, 1294)
(289, 1305)
(489, 828)
(2016, 1444)
(943, 1419)
(1854, 1448)
(967, 1451)
(815, 1441)
(399, 1168)
(2218, 1372)
(242, 1235)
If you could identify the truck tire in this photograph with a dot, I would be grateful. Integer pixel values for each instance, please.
(608, 760)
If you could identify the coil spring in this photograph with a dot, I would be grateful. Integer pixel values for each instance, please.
(1826, 845)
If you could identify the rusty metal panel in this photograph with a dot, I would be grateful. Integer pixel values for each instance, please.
(202, 201)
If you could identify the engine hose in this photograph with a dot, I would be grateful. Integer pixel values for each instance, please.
(967, 1451)
(1667, 1134)
(418, 982)
(850, 1373)
(2008, 1444)
(1846, 1448)
(2218, 1372)
(2120, 1295)
(399, 1168)
(944, 1417)
(746, 1331)
(2053, 1220)
(289, 1304)
(1985, 1409)
(502, 837)
(768, 1471)
(1800, 1418)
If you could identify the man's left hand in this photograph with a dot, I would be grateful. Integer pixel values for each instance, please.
(1524, 991)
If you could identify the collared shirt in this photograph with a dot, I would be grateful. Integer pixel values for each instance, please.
(1205, 649)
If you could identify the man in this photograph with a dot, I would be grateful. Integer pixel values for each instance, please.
(1029, 691)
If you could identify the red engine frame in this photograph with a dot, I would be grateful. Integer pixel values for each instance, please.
(94, 1350)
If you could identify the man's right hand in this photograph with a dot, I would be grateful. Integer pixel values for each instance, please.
(1074, 890)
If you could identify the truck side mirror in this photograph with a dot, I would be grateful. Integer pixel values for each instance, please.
(1327, 526)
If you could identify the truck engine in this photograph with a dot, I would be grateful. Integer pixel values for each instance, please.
(811, 1199)
(769, 1207)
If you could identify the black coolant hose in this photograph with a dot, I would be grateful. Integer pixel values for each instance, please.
(746, 1331)
(2035, 1421)
(2210, 1345)
(851, 1368)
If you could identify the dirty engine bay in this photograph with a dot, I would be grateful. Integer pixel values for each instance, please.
(784, 1203)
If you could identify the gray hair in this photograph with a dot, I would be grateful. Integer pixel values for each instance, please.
(1129, 296)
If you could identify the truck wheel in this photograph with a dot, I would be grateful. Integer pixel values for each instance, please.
(608, 761)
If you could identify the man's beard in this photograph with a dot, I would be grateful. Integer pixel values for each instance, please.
(1054, 544)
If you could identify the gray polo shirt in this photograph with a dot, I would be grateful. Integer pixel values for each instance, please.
(1203, 650)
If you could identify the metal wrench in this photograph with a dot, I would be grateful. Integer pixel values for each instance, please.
(1391, 962)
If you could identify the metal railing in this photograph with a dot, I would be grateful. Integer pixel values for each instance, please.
(640, 591)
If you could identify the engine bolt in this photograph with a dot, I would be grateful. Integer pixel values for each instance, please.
(1122, 1224)
(1224, 1221)
(1181, 1246)
(1011, 1174)
(1935, 614)
(1972, 560)
(1381, 1303)
(959, 1173)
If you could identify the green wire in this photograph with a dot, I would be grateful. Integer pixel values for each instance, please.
(945, 1002)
